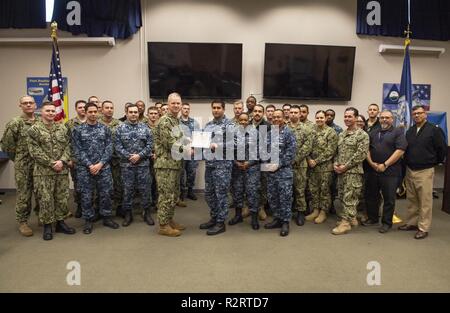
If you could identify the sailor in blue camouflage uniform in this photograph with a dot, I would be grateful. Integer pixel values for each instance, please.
(93, 147)
(246, 170)
(133, 143)
(280, 174)
(219, 163)
(189, 169)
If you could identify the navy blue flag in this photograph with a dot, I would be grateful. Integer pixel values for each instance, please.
(55, 88)
(406, 91)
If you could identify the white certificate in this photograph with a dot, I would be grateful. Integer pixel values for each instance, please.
(201, 139)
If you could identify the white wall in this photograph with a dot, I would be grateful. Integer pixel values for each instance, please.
(120, 73)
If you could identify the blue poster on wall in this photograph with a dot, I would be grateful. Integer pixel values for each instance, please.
(37, 87)
(421, 96)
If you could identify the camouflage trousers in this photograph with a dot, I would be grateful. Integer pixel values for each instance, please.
(349, 191)
(52, 195)
(76, 193)
(167, 182)
(23, 175)
(279, 193)
(101, 184)
(246, 185)
(217, 185)
(300, 181)
(320, 187)
(188, 173)
(136, 178)
(117, 195)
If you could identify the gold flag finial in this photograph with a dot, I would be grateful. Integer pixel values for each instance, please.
(408, 33)
(54, 27)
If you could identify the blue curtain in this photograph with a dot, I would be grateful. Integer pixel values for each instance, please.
(430, 19)
(22, 14)
(115, 18)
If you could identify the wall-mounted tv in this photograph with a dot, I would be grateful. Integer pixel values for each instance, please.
(195, 70)
(308, 72)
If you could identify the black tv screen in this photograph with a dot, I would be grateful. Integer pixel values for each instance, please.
(309, 72)
(195, 70)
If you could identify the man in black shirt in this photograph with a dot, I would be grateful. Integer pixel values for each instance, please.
(373, 122)
(387, 146)
(426, 149)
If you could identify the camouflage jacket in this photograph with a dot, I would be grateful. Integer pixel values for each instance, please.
(92, 144)
(338, 129)
(325, 141)
(71, 125)
(168, 136)
(352, 150)
(15, 139)
(112, 127)
(143, 119)
(47, 145)
(287, 146)
(304, 138)
(246, 145)
(222, 134)
(133, 139)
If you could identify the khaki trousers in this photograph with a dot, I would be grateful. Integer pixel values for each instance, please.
(419, 192)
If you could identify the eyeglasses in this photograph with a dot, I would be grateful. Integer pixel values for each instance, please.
(27, 102)
(418, 113)
(385, 117)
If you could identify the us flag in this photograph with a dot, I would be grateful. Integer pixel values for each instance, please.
(55, 88)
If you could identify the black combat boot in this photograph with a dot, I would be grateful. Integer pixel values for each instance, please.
(216, 229)
(276, 223)
(62, 227)
(208, 224)
(148, 218)
(87, 227)
(237, 218)
(119, 211)
(128, 219)
(284, 229)
(108, 222)
(300, 218)
(47, 235)
(191, 195)
(255, 223)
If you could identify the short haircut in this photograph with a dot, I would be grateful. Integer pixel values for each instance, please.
(26, 96)
(355, 111)
(419, 106)
(186, 103)
(374, 104)
(156, 103)
(252, 97)
(107, 101)
(173, 94)
(221, 102)
(278, 110)
(260, 105)
(140, 101)
(321, 111)
(362, 117)
(270, 106)
(286, 105)
(132, 105)
(387, 111)
(47, 103)
(152, 108)
(304, 106)
(295, 106)
(78, 102)
(89, 99)
(128, 104)
(90, 104)
(244, 113)
(330, 110)
(238, 102)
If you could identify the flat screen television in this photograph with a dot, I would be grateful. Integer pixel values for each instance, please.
(308, 72)
(195, 70)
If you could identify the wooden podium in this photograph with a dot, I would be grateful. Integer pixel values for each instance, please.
(446, 199)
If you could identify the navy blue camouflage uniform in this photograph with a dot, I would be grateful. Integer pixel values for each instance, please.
(93, 144)
(134, 139)
(246, 183)
(189, 169)
(218, 168)
(279, 183)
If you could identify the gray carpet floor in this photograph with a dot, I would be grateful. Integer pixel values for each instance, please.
(137, 259)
